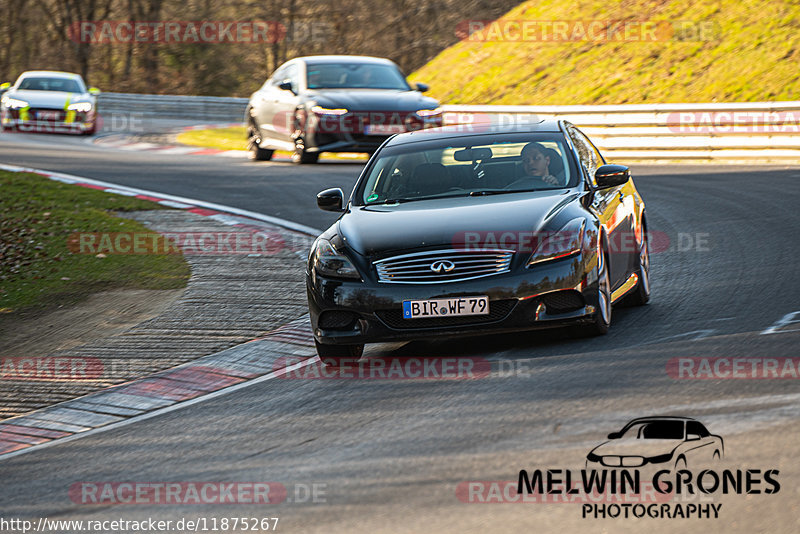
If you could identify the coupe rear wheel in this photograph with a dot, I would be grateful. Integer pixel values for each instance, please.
(332, 355)
(602, 317)
(641, 294)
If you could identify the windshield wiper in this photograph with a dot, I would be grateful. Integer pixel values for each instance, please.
(485, 192)
(394, 201)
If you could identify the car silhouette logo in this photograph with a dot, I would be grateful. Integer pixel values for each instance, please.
(672, 442)
(442, 266)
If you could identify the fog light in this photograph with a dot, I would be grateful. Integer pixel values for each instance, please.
(337, 320)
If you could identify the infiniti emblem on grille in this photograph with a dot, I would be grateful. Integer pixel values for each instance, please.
(442, 266)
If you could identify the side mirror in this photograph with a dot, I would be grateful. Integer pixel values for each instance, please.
(692, 437)
(286, 85)
(423, 87)
(614, 435)
(330, 199)
(611, 175)
(94, 91)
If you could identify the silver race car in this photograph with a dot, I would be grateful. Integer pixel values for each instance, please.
(49, 102)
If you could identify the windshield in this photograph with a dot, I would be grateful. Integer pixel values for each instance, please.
(419, 171)
(50, 84)
(355, 76)
(656, 430)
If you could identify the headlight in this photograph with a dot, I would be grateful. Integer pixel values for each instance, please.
(562, 244)
(83, 107)
(660, 459)
(592, 457)
(14, 103)
(319, 110)
(328, 262)
(429, 112)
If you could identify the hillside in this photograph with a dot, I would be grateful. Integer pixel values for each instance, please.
(728, 51)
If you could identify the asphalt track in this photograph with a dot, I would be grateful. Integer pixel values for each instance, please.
(389, 455)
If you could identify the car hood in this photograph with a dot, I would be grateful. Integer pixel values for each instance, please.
(49, 99)
(637, 447)
(436, 223)
(373, 99)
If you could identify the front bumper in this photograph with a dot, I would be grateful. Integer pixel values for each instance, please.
(557, 294)
(337, 134)
(79, 123)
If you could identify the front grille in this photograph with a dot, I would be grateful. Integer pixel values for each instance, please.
(59, 114)
(563, 301)
(417, 268)
(498, 310)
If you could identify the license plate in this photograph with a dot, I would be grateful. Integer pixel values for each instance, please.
(458, 307)
(47, 115)
(383, 129)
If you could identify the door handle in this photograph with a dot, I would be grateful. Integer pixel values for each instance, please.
(621, 196)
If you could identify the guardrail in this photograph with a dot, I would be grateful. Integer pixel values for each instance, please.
(747, 131)
(738, 131)
(200, 108)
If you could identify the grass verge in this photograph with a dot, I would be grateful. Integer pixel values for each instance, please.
(37, 270)
(221, 138)
(703, 52)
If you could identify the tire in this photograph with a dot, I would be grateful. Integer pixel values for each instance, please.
(254, 140)
(300, 155)
(332, 355)
(641, 295)
(602, 317)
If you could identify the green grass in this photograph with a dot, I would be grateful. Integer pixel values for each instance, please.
(221, 138)
(38, 271)
(750, 51)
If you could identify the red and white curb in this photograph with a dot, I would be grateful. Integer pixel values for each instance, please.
(197, 381)
(201, 379)
(124, 142)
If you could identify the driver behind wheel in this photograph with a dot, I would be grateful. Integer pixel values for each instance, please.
(536, 164)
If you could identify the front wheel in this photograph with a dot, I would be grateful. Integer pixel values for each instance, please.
(301, 155)
(254, 141)
(332, 355)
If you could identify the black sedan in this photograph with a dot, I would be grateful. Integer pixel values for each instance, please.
(453, 233)
(321, 104)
